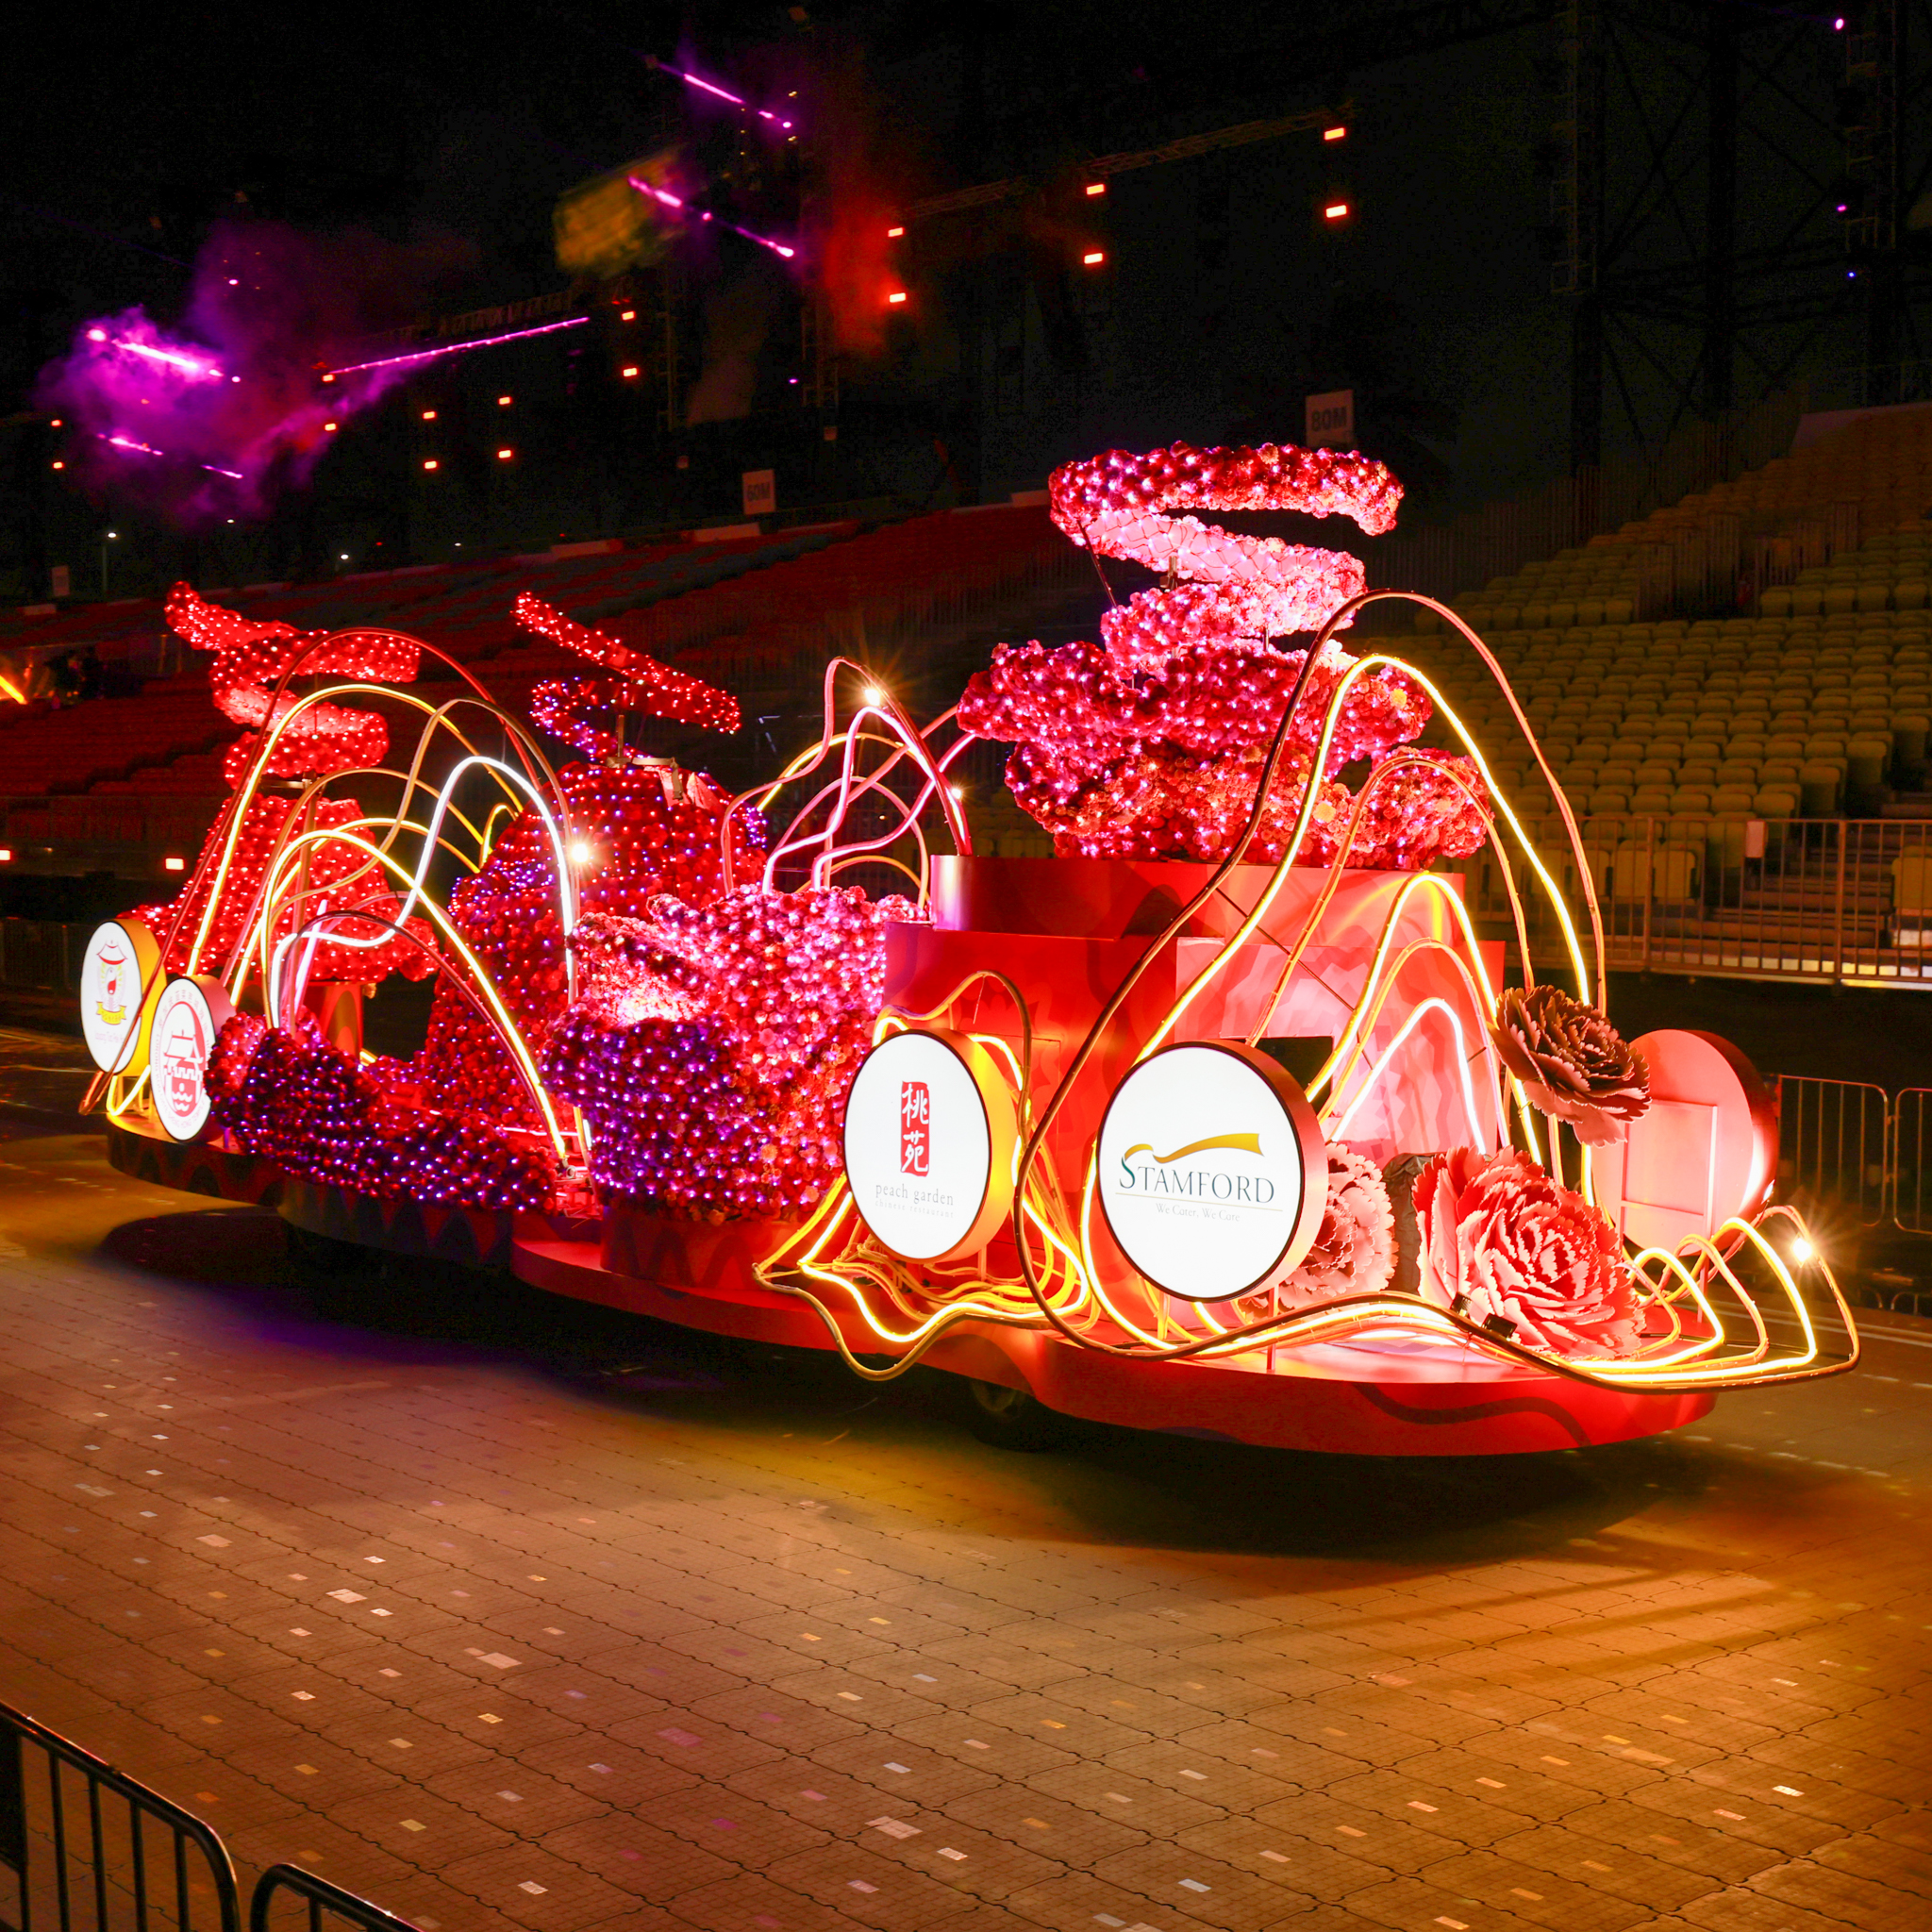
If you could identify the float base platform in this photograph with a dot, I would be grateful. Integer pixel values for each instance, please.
(1370, 1397)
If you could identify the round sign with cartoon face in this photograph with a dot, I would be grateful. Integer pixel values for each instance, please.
(929, 1133)
(1212, 1171)
(117, 968)
(187, 1017)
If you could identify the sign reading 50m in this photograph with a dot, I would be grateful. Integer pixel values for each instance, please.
(1212, 1169)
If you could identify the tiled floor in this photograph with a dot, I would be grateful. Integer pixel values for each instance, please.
(505, 1610)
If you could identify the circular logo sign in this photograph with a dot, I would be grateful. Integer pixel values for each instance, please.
(930, 1131)
(1212, 1171)
(187, 1017)
(119, 963)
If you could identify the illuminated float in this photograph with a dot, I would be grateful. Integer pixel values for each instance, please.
(1222, 1121)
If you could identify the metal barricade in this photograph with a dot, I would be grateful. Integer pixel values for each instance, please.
(1911, 1179)
(78, 1863)
(1835, 1145)
(320, 1897)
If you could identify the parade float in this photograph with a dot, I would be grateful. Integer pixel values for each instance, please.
(1222, 1120)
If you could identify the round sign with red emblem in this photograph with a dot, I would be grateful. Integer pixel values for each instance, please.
(188, 1014)
(929, 1133)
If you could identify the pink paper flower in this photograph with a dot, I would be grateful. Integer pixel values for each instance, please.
(1572, 1063)
(1354, 1250)
(1503, 1243)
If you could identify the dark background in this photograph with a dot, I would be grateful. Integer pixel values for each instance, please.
(1722, 270)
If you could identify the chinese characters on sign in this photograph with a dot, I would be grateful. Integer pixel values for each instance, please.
(915, 1128)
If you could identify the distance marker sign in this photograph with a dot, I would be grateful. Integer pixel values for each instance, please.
(929, 1133)
(1212, 1171)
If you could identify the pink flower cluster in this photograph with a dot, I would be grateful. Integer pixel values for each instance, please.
(292, 1099)
(712, 1048)
(1150, 744)
(249, 662)
(1516, 1253)
(1237, 587)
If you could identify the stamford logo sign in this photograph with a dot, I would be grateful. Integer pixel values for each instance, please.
(928, 1140)
(1231, 1193)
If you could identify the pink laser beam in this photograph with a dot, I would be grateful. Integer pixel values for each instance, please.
(185, 363)
(735, 100)
(149, 450)
(671, 200)
(515, 335)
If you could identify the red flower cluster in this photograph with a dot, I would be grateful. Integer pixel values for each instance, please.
(712, 1048)
(249, 663)
(329, 863)
(563, 706)
(1162, 762)
(650, 829)
(314, 1112)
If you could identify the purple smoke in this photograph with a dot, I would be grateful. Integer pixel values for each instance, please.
(217, 418)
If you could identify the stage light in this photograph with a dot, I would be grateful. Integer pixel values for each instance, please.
(630, 370)
(343, 556)
(97, 335)
(874, 695)
(429, 415)
(893, 234)
(1094, 258)
(503, 456)
(58, 465)
(328, 376)
(1802, 1251)
(580, 853)
(172, 863)
(431, 463)
(957, 791)
(6, 855)
(628, 315)
(55, 422)
(1335, 134)
(1094, 188)
(895, 298)
(331, 427)
(1335, 211)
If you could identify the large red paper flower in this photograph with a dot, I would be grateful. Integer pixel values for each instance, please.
(1572, 1063)
(1505, 1245)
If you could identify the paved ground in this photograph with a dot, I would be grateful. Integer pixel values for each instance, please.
(503, 1610)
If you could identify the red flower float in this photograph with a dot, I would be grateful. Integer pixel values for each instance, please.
(1515, 1252)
